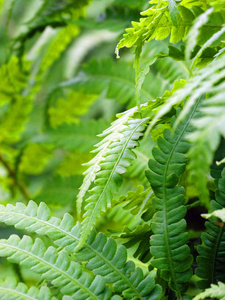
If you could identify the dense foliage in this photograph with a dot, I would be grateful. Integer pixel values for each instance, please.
(142, 215)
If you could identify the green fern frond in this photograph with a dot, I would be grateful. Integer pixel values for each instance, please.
(59, 192)
(136, 202)
(82, 136)
(193, 89)
(194, 32)
(116, 79)
(55, 267)
(126, 279)
(69, 110)
(17, 106)
(113, 133)
(157, 24)
(114, 163)
(209, 127)
(101, 254)
(10, 289)
(168, 244)
(64, 37)
(211, 253)
(29, 164)
(215, 291)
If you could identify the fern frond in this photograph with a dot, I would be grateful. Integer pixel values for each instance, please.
(102, 255)
(55, 267)
(64, 37)
(15, 116)
(69, 110)
(29, 164)
(58, 191)
(170, 253)
(194, 32)
(211, 253)
(116, 79)
(205, 139)
(215, 291)
(81, 137)
(137, 202)
(157, 24)
(113, 133)
(11, 290)
(114, 164)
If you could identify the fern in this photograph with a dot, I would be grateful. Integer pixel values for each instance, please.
(55, 267)
(168, 244)
(116, 79)
(81, 137)
(157, 23)
(11, 290)
(110, 165)
(64, 37)
(69, 110)
(215, 291)
(193, 33)
(101, 254)
(211, 252)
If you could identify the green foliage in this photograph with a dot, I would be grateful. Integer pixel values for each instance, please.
(215, 291)
(124, 276)
(211, 252)
(168, 223)
(10, 289)
(61, 86)
(114, 156)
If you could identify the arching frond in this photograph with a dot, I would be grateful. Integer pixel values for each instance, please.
(113, 133)
(55, 267)
(100, 254)
(113, 165)
(10, 289)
